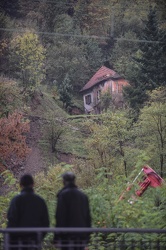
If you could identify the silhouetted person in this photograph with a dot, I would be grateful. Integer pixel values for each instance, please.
(72, 211)
(27, 209)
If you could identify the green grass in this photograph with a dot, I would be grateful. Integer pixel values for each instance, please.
(72, 139)
(48, 108)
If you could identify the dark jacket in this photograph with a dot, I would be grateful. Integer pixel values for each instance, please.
(72, 208)
(27, 210)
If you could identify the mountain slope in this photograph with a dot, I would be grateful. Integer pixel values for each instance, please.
(47, 118)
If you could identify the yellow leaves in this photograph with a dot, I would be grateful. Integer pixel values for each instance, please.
(29, 55)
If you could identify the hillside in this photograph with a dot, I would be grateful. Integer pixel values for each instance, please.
(48, 118)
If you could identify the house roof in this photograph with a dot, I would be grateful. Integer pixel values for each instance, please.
(103, 73)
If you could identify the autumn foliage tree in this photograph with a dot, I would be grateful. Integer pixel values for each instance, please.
(27, 57)
(10, 97)
(13, 145)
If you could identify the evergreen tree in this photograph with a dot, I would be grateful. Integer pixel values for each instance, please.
(152, 63)
(65, 92)
(148, 70)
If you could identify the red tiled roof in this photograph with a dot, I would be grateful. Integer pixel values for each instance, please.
(102, 74)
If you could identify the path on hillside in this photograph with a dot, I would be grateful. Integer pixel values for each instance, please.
(34, 162)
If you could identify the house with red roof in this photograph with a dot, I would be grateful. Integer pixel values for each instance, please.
(103, 80)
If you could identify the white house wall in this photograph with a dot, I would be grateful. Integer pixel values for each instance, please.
(88, 107)
(103, 87)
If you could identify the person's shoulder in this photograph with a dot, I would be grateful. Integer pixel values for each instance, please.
(16, 198)
(63, 191)
(40, 198)
(78, 191)
(67, 190)
(82, 193)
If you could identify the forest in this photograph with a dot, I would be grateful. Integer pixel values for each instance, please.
(48, 52)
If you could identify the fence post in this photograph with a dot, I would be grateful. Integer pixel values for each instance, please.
(39, 240)
(6, 241)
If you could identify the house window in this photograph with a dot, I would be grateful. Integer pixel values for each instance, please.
(88, 99)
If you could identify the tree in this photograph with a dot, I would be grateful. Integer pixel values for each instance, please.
(136, 96)
(13, 138)
(149, 64)
(122, 52)
(10, 9)
(4, 20)
(119, 135)
(98, 147)
(27, 55)
(77, 57)
(151, 130)
(6, 23)
(4, 56)
(108, 142)
(152, 61)
(92, 53)
(44, 14)
(106, 100)
(54, 133)
(92, 17)
(65, 92)
(9, 96)
(8, 180)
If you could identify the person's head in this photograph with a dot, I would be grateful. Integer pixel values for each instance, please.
(68, 178)
(26, 181)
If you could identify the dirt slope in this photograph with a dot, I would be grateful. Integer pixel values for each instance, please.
(34, 162)
(43, 108)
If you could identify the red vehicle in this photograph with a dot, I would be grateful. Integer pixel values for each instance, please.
(150, 178)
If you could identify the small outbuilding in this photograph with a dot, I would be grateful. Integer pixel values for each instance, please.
(103, 80)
